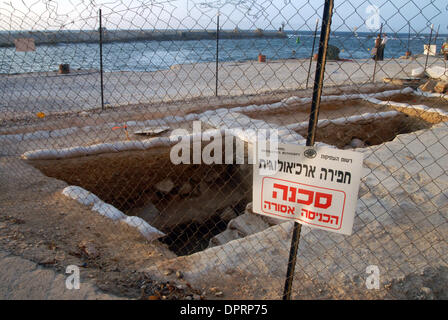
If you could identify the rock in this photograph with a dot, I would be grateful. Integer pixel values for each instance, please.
(224, 237)
(202, 203)
(152, 131)
(228, 214)
(212, 176)
(148, 213)
(179, 275)
(88, 248)
(270, 220)
(248, 224)
(60, 256)
(185, 189)
(441, 87)
(428, 86)
(219, 294)
(398, 82)
(244, 225)
(165, 186)
(357, 143)
(418, 72)
(438, 72)
(333, 52)
(426, 290)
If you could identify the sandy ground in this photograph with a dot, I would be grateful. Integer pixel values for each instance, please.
(22, 279)
(56, 232)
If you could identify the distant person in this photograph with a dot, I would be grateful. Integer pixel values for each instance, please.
(375, 50)
(382, 47)
(444, 49)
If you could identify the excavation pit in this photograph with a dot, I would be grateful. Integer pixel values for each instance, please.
(192, 204)
(297, 113)
(412, 99)
(431, 113)
(180, 200)
(371, 131)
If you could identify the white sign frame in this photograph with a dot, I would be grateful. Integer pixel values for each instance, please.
(319, 190)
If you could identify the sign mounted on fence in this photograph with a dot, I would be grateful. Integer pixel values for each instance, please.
(317, 187)
(24, 44)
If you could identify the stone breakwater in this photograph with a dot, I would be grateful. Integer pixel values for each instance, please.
(92, 36)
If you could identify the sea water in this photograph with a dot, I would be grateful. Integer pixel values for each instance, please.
(159, 55)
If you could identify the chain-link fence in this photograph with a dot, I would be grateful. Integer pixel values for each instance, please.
(96, 96)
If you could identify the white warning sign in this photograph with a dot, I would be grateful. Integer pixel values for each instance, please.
(313, 186)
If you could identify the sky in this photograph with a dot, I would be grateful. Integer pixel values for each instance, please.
(362, 15)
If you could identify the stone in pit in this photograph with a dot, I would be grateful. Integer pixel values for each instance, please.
(148, 213)
(239, 227)
(428, 86)
(165, 186)
(152, 131)
(185, 189)
(441, 87)
(228, 214)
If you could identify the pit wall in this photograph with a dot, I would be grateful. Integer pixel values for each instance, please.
(97, 205)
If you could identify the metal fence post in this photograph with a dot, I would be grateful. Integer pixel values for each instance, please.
(429, 48)
(409, 37)
(376, 54)
(314, 115)
(101, 60)
(217, 54)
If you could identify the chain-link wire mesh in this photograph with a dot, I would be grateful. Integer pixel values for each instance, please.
(91, 116)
